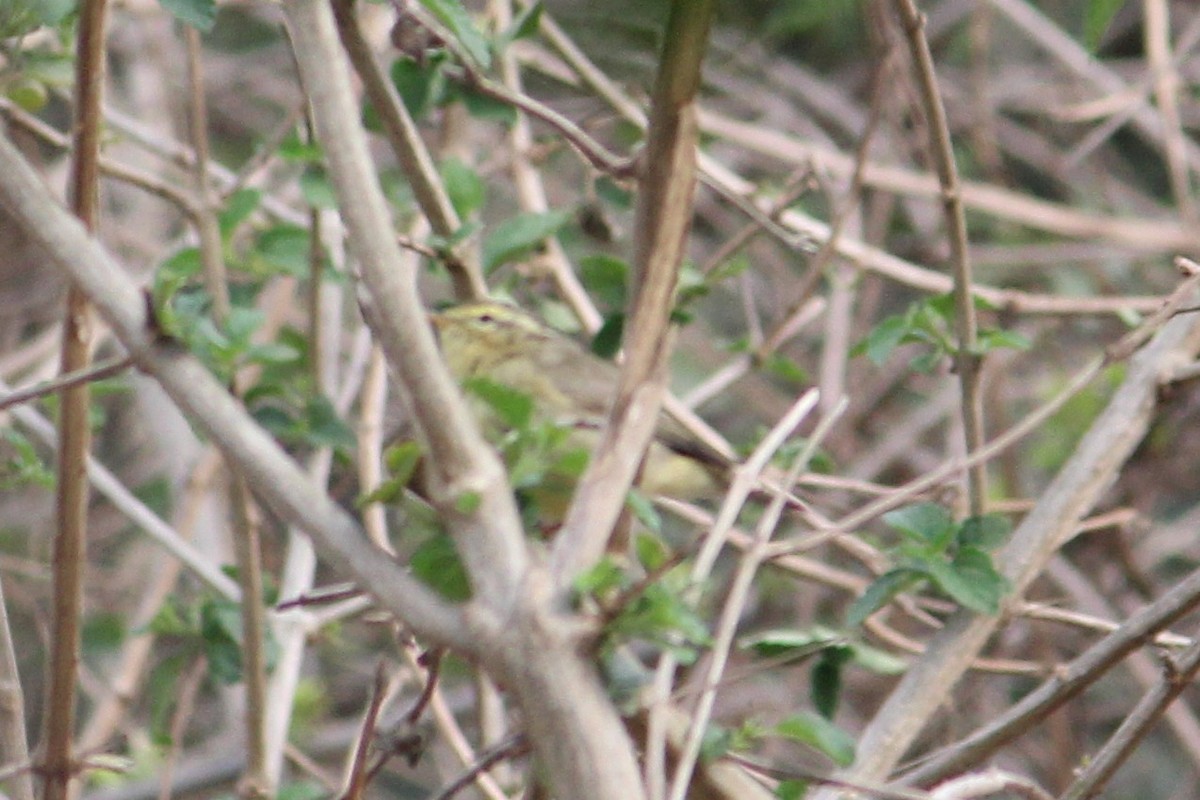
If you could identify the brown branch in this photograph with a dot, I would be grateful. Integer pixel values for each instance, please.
(71, 501)
(411, 152)
(966, 359)
(662, 221)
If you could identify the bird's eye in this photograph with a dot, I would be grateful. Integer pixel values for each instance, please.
(486, 318)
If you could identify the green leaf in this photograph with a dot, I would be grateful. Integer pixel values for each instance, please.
(524, 25)
(437, 564)
(317, 189)
(285, 248)
(875, 660)
(200, 14)
(238, 207)
(923, 522)
(325, 427)
(644, 510)
(221, 630)
(783, 367)
(419, 84)
(452, 14)
(466, 189)
(402, 461)
(820, 734)
(879, 593)
(514, 408)
(827, 679)
(971, 580)
(652, 552)
(467, 502)
(985, 532)
(795, 642)
(989, 339)
(601, 579)
(883, 339)
(606, 278)
(519, 236)
(607, 341)
(791, 789)
(1097, 16)
(484, 107)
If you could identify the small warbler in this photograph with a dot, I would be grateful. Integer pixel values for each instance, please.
(569, 387)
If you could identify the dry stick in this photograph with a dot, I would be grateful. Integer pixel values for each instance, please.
(151, 183)
(1067, 50)
(244, 525)
(443, 717)
(189, 686)
(1067, 682)
(74, 442)
(514, 747)
(1166, 93)
(289, 492)
(96, 372)
(1138, 234)
(745, 478)
(1178, 674)
(127, 675)
(662, 220)
(411, 153)
(575, 730)
(14, 749)
(966, 360)
(531, 190)
(107, 484)
(357, 776)
(735, 606)
(1075, 489)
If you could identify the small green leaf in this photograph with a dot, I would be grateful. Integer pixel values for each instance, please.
(652, 552)
(879, 593)
(524, 25)
(826, 679)
(238, 207)
(644, 510)
(607, 341)
(794, 642)
(466, 189)
(402, 461)
(783, 367)
(924, 522)
(883, 339)
(606, 278)
(316, 189)
(419, 84)
(989, 339)
(986, 532)
(325, 427)
(1097, 16)
(467, 502)
(514, 408)
(791, 789)
(285, 248)
(221, 630)
(437, 564)
(601, 579)
(519, 236)
(970, 581)
(200, 14)
(452, 14)
(820, 734)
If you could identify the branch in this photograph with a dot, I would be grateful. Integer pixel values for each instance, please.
(1077, 487)
(275, 478)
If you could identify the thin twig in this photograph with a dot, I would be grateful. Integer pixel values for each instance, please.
(96, 372)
